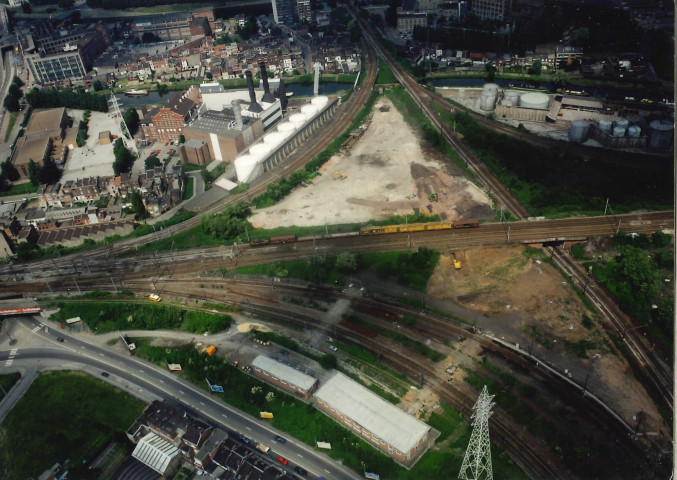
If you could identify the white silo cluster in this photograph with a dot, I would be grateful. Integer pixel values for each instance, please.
(605, 125)
(535, 100)
(579, 131)
(250, 165)
(620, 127)
(488, 96)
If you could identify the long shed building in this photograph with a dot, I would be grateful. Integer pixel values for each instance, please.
(391, 430)
(284, 377)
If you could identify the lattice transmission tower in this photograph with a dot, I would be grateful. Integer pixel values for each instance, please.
(126, 135)
(477, 460)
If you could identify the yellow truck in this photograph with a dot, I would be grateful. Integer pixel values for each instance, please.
(457, 264)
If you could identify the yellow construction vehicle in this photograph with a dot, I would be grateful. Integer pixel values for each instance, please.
(457, 264)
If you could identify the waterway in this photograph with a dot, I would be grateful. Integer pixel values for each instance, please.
(600, 92)
(299, 90)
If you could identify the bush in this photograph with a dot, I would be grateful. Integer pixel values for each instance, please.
(328, 361)
(577, 251)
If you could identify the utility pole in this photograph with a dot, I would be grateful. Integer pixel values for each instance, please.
(477, 460)
(585, 386)
(606, 206)
(114, 286)
(76, 284)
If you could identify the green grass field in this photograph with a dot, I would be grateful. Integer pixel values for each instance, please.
(10, 125)
(188, 190)
(7, 382)
(62, 415)
(20, 189)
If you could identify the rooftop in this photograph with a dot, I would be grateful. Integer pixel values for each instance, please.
(219, 122)
(155, 452)
(45, 120)
(371, 412)
(283, 372)
(31, 148)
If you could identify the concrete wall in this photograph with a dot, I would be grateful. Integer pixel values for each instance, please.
(199, 156)
(610, 141)
(519, 113)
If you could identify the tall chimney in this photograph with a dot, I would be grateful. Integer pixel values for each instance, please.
(316, 87)
(253, 105)
(237, 111)
(282, 93)
(267, 96)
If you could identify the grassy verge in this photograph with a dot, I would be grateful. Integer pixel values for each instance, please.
(7, 382)
(191, 167)
(82, 414)
(188, 189)
(20, 189)
(309, 425)
(10, 124)
(106, 316)
(385, 74)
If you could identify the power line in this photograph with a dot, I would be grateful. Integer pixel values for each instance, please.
(477, 460)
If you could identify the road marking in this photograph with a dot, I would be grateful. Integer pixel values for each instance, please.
(101, 355)
(182, 392)
(299, 455)
(140, 370)
(9, 362)
(327, 470)
(13, 351)
(224, 415)
(248, 428)
(83, 347)
(201, 403)
(162, 381)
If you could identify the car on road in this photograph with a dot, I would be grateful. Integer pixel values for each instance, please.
(59, 339)
(105, 374)
(333, 348)
(279, 439)
(301, 471)
(284, 352)
(282, 460)
(244, 439)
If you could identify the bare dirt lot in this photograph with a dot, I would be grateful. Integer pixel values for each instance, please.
(523, 300)
(387, 172)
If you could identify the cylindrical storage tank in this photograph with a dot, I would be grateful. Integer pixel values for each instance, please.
(512, 96)
(534, 100)
(320, 101)
(618, 132)
(604, 125)
(490, 87)
(298, 119)
(622, 122)
(634, 131)
(247, 167)
(579, 131)
(488, 100)
(260, 150)
(287, 128)
(660, 134)
(274, 139)
(309, 110)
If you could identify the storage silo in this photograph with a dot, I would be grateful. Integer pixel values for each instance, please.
(618, 132)
(579, 131)
(622, 122)
(274, 139)
(488, 100)
(660, 134)
(320, 101)
(491, 87)
(535, 100)
(604, 125)
(260, 150)
(287, 128)
(247, 167)
(634, 131)
(511, 98)
(309, 110)
(298, 119)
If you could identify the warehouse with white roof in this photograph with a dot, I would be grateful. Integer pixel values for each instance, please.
(284, 376)
(391, 430)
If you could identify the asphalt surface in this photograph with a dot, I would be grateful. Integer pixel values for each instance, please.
(150, 382)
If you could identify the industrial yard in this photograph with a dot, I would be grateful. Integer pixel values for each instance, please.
(387, 172)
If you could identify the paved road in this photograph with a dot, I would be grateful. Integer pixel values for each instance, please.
(148, 381)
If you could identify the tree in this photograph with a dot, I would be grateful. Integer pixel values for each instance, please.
(34, 172)
(149, 37)
(138, 206)
(98, 85)
(346, 262)
(209, 75)
(182, 139)
(270, 396)
(152, 162)
(536, 68)
(491, 71)
(123, 158)
(49, 173)
(9, 171)
(328, 361)
(131, 118)
(162, 89)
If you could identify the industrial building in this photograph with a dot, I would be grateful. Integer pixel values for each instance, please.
(46, 138)
(391, 430)
(166, 123)
(174, 26)
(284, 377)
(64, 55)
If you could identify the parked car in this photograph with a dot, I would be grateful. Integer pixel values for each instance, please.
(333, 348)
(279, 439)
(59, 339)
(300, 471)
(282, 460)
(105, 374)
(244, 439)
(284, 352)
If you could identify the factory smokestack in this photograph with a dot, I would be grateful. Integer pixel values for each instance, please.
(316, 87)
(267, 96)
(282, 94)
(253, 105)
(237, 111)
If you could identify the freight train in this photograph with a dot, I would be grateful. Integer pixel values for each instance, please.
(373, 230)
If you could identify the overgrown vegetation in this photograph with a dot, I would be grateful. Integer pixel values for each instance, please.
(385, 74)
(77, 99)
(7, 381)
(103, 316)
(63, 415)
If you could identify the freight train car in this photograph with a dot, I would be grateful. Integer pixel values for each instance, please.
(412, 227)
(279, 239)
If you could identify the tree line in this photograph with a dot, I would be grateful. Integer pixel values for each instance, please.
(67, 98)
